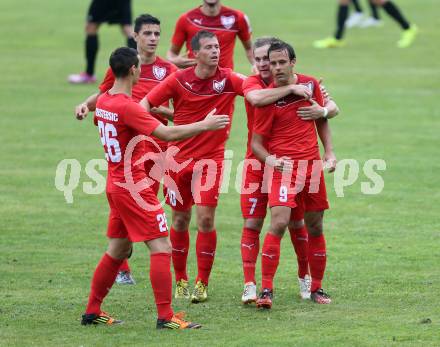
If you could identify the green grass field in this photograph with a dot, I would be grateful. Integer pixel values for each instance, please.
(383, 250)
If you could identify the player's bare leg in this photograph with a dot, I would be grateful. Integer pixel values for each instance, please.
(270, 254)
(179, 236)
(317, 255)
(206, 245)
(299, 238)
(91, 47)
(250, 247)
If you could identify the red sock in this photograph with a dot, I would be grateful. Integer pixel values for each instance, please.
(205, 249)
(250, 246)
(124, 266)
(270, 257)
(160, 277)
(102, 281)
(299, 239)
(180, 244)
(317, 260)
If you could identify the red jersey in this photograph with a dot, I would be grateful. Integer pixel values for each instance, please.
(119, 119)
(287, 134)
(254, 82)
(151, 75)
(227, 25)
(193, 98)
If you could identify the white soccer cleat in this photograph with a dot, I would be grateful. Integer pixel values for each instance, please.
(354, 20)
(371, 22)
(304, 287)
(81, 78)
(249, 293)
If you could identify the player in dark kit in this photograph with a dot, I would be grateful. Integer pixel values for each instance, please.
(135, 213)
(103, 11)
(288, 146)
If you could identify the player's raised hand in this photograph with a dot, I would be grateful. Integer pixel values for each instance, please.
(216, 121)
(301, 90)
(315, 111)
(81, 111)
(330, 161)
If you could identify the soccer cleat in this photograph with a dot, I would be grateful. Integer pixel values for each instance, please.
(304, 287)
(371, 22)
(102, 318)
(200, 293)
(182, 291)
(177, 322)
(408, 37)
(124, 277)
(354, 20)
(249, 293)
(329, 42)
(265, 299)
(320, 297)
(81, 78)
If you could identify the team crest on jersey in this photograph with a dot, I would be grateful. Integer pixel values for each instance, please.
(227, 21)
(219, 86)
(159, 72)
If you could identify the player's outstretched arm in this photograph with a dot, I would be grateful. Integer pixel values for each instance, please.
(180, 132)
(181, 61)
(325, 135)
(87, 106)
(263, 97)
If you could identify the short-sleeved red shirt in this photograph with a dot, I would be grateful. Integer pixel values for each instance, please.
(193, 98)
(151, 75)
(227, 25)
(254, 82)
(287, 134)
(119, 119)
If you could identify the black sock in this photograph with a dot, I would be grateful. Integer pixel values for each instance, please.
(131, 43)
(341, 19)
(91, 51)
(356, 5)
(394, 12)
(374, 11)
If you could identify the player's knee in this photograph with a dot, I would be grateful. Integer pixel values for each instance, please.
(344, 2)
(296, 224)
(91, 28)
(181, 222)
(314, 226)
(206, 222)
(254, 224)
(278, 225)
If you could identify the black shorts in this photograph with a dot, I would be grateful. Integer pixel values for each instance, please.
(110, 11)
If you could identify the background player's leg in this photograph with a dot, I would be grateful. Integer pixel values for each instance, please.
(105, 273)
(356, 17)
(317, 255)
(341, 18)
(374, 19)
(124, 274)
(179, 236)
(127, 30)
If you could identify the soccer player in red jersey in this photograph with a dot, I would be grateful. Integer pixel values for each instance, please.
(226, 23)
(154, 69)
(252, 198)
(121, 121)
(288, 145)
(204, 86)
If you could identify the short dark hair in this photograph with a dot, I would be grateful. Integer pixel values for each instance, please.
(121, 61)
(264, 41)
(282, 46)
(144, 19)
(202, 34)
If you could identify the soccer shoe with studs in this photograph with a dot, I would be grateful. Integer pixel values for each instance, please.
(329, 42)
(102, 318)
(249, 293)
(125, 277)
(408, 37)
(81, 78)
(182, 290)
(304, 287)
(177, 322)
(265, 299)
(354, 20)
(200, 293)
(320, 297)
